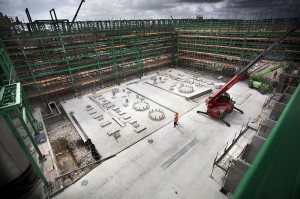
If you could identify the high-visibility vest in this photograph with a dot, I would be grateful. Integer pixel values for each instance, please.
(176, 118)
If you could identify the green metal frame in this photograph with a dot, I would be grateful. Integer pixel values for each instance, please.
(63, 58)
(9, 75)
(275, 171)
(230, 44)
(98, 51)
(10, 105)
(87, 53)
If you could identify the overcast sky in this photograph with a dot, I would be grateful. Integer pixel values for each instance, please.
(151, 9)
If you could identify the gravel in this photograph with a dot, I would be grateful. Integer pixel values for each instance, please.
(80, 152)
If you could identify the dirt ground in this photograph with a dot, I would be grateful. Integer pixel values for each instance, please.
(70, 151)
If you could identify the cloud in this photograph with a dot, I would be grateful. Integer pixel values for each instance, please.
(255, 3)
(66, 12)
(22, 2)
(198, 1)
(144, 9)
(149, 5)
(266, 8)
(10, 2)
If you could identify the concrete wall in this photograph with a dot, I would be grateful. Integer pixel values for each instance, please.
(253, 149)
(235, 173)
(277, 110)
(265, 128)
(285, 98)
(290, 90)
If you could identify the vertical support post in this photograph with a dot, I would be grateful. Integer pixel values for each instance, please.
(115, 65)
(31, 119)
(26, 101)
(123, 71)
(41, 158)
(226, 146)
(37, 85)
(26, 151)
(213, 167)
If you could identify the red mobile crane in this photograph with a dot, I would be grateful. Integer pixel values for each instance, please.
(220, 103)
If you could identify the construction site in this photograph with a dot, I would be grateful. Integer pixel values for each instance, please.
(136, 108)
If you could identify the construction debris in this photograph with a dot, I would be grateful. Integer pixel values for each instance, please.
(70, 152)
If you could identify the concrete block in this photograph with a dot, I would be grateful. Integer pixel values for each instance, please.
(198, 93)
(105, 123)
(126, 117)
(112, 131)
(140, 129)
(116, 109)
(110, 106)
(106, 102)
(132, 121)
(122, 113)
(92, 112)
(95, 116)
(89, 109)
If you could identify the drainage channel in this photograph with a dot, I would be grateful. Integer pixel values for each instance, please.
(180, 153)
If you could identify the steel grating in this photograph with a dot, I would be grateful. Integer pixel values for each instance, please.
(180, 153)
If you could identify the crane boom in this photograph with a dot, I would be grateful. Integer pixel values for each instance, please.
(242, 73)
(266, 71)
(221, 103)
(77, 11)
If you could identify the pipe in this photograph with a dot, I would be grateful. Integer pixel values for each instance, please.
(17, 176)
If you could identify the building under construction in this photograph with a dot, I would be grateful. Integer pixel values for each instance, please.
(87, 109)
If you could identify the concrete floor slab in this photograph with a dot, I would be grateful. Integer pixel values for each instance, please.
(100, 131)
(166, 99)
(137, 173)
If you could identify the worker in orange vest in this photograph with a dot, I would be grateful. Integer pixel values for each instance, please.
(176, 119)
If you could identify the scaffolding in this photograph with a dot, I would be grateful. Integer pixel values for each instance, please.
(53, 57)
(228, 45)
(20, 119)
